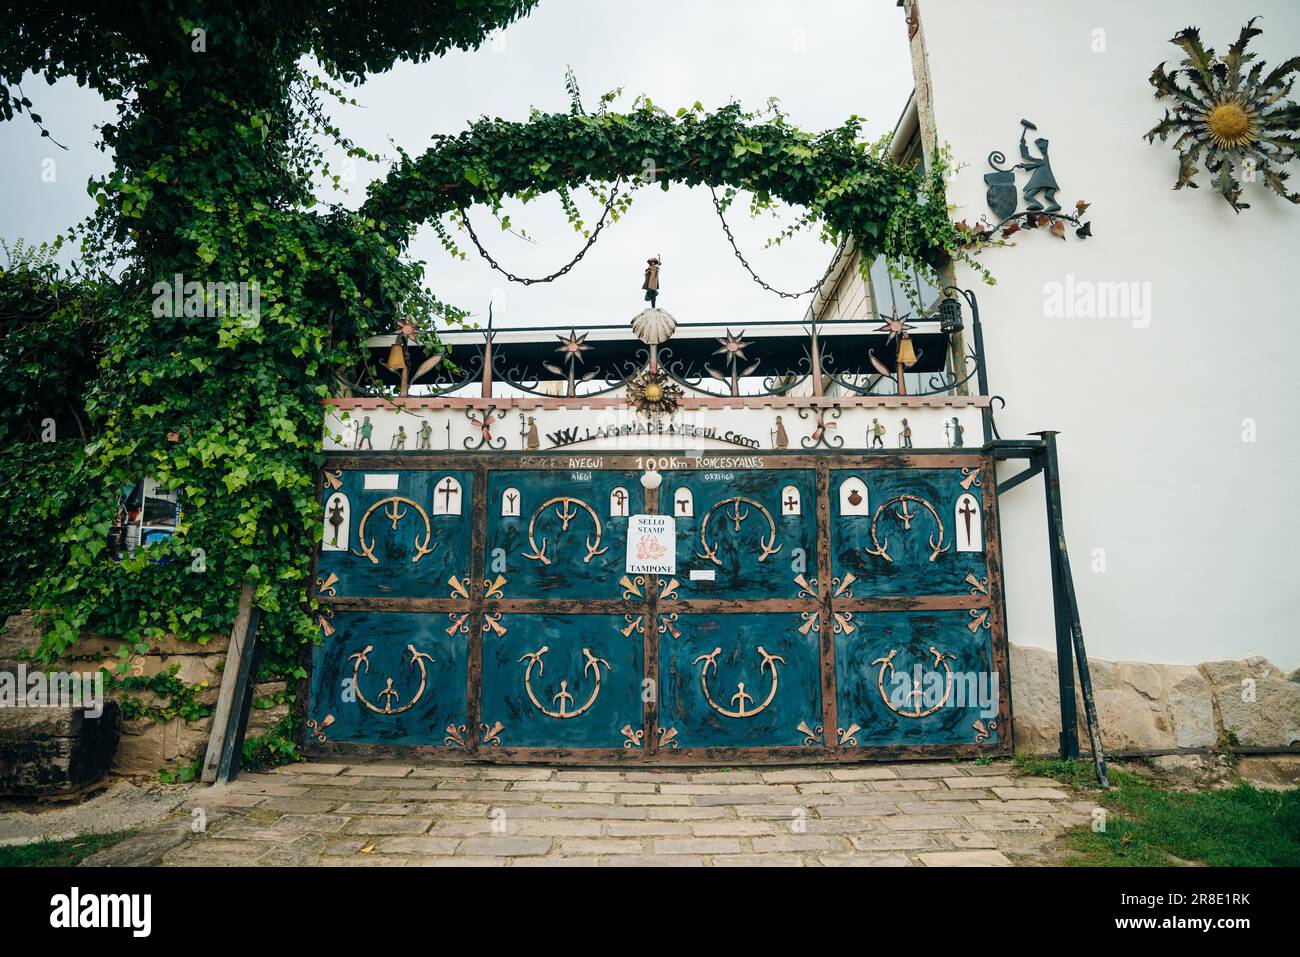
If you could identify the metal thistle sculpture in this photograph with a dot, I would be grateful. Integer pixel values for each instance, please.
(1235, 119)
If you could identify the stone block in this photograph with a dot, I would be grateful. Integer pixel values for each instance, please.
(54, 750)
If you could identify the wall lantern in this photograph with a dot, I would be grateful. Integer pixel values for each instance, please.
(950, 316)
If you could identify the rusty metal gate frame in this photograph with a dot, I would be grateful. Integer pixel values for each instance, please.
(649, 752)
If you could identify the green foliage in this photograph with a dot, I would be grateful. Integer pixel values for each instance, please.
(272, 749)
(217, 147)
(65, 853)
(181, 773)
(1148, 825)
(168, 696)
(1077, 774)
(845, 185)
(39, 500)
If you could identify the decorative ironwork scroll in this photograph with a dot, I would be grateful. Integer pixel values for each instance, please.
(393, 515)
(389, 694)
(741, 696)
(766, 546)
(905, 516)
(917, 694)
(564, 697)
(566, 515)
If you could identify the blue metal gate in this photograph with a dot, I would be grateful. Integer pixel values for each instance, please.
(824, 607)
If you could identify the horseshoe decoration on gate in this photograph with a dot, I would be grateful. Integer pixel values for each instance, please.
(916, 695)
(389, 694)
(741, 695)
(393, 515)
(905, 516)
(566, 515)
(737, 517)
(564, 698)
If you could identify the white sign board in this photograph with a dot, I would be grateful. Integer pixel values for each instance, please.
(652, 545)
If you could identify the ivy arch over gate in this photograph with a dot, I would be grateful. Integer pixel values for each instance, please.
(852, 188)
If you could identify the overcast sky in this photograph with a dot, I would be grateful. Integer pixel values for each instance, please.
(822, 60)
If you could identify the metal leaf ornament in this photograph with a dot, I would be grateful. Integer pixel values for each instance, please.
(1232, 121)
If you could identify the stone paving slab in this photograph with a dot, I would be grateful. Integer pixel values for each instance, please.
(934, 814)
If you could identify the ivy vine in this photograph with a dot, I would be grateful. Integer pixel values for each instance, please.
(843, 184)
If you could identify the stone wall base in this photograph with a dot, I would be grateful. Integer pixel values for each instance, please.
(146, 747)
(1144, 707)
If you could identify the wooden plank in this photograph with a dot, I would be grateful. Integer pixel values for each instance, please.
(230, 713)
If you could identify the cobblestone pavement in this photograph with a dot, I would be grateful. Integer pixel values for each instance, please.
(396, 814)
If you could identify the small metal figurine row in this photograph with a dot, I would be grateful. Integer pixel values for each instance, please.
(953, 431)
(363, 437)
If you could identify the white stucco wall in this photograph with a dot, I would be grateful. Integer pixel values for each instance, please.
(1199, 528)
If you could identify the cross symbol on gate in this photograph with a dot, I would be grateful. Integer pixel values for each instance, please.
(966, 512)
(448, 489)
(681, 504)
(791, 502)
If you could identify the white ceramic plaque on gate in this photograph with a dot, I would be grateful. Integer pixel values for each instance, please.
(652, 545)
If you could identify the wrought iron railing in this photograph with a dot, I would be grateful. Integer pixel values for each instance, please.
(929, 356)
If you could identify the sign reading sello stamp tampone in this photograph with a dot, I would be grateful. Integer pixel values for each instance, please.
(652, 545)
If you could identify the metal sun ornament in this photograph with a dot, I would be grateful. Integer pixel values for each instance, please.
(652, 392)
(1236, 120)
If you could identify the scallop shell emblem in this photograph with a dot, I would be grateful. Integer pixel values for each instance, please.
(654, 326)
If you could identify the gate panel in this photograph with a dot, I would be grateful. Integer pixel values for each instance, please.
(907, 531)
(394, 533)
(564, 535)
(740, 533)
(552, 681)
(388, 678)
(913, 678)
(739, 680)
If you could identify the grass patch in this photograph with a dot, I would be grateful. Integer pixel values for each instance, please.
(67, 853)
(1150, 826)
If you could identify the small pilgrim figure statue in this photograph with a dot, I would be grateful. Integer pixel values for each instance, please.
(336, 519)
(426, 435)
(955, 431)
(779, 439)
(1039, 168)
(532, 441)
(651, 284)
(399, 440)
(905, 437)
(877, 432)
(364, 431)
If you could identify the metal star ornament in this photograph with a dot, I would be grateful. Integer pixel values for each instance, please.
(895, 325)
(574, 345)
(733, 346)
